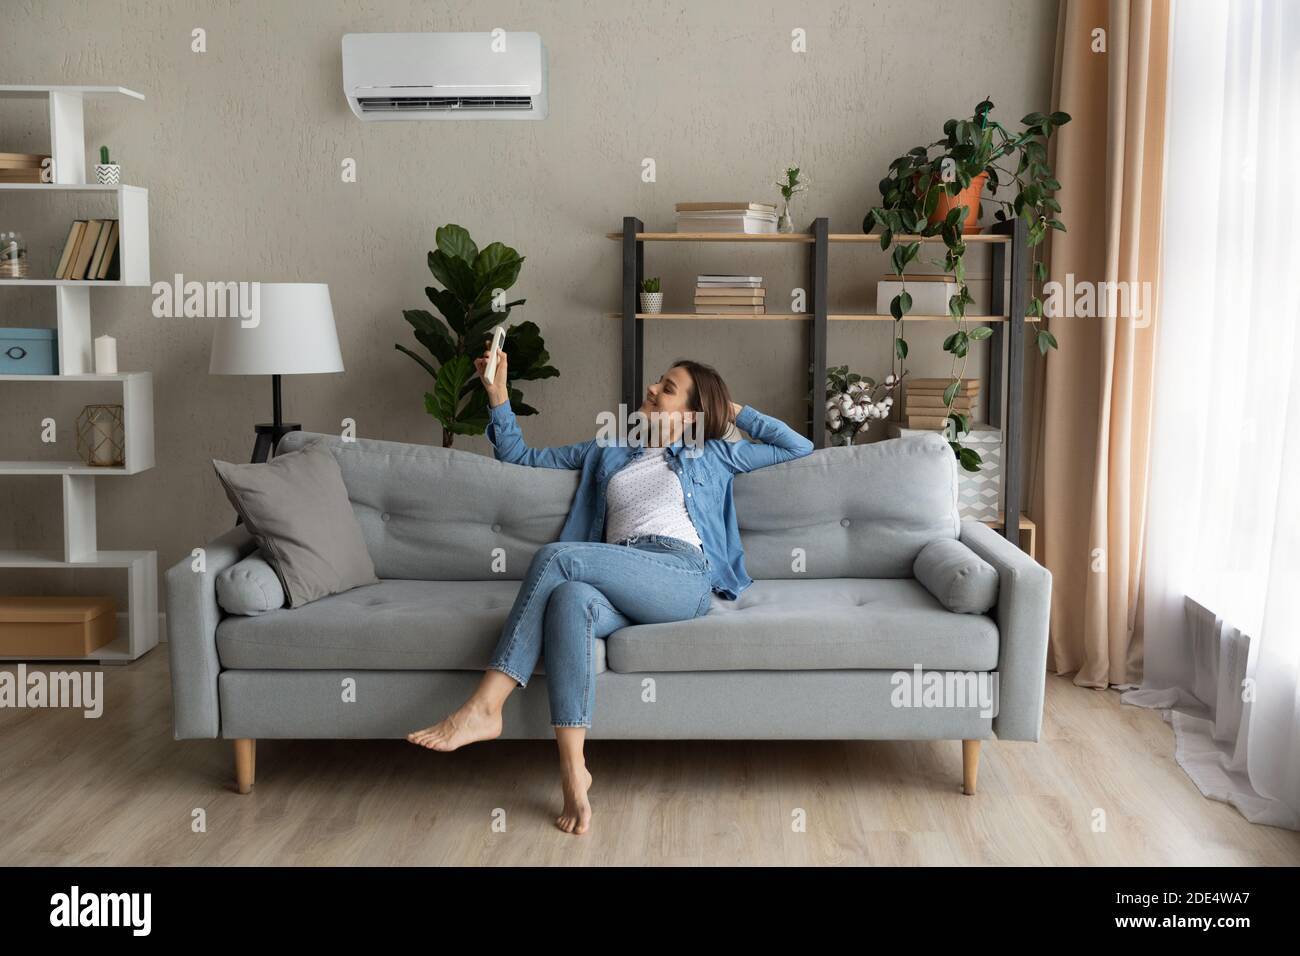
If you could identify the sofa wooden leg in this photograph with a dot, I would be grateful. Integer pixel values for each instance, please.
(970, 765)
(245, 763)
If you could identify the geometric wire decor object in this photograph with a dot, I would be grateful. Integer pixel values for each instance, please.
(101, 436)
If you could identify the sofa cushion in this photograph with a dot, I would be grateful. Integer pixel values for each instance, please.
(860, 512)
(297, 507)
(829, 624)
(250, 586)
(392, 625)
(962, 581)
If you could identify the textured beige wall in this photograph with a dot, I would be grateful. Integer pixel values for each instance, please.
(241, 147)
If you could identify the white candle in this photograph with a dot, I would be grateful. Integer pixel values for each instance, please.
(106, 355)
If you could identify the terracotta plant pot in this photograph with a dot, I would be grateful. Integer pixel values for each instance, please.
(968, 197)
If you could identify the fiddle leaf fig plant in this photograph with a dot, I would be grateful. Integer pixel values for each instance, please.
(973, 152)
(471, 301)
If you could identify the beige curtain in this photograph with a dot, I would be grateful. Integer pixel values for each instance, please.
(1090, 476)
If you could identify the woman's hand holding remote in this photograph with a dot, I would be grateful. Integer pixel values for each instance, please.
(496, 390)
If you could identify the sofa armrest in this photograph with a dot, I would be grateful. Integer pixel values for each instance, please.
(192, 618)
(1023, 613)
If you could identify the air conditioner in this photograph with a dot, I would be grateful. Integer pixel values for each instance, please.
(403, 76)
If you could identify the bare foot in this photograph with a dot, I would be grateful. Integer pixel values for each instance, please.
(576, 816)
(469, 724)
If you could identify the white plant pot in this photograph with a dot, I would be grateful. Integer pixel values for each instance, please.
(652, 303)
(110, 175)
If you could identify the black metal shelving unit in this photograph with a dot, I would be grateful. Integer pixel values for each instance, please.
(1004, 384)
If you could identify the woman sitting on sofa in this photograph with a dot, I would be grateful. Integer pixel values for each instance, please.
(650, 536)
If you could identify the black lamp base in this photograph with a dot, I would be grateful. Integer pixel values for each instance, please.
(268, 436)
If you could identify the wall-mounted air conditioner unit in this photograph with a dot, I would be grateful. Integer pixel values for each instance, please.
(402, 76)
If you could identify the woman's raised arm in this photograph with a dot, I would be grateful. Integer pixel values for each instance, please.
(503, 430)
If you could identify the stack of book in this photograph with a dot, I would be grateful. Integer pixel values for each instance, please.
(748, 217)
(21, 167)
(730, 295)
(924, 406)
(91, 251)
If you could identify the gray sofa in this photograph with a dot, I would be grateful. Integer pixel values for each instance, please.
(828, 642)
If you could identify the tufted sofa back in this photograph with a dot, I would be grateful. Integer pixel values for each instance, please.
(437, 514)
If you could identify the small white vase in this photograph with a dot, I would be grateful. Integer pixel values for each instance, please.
(652, 303)
(110, 175)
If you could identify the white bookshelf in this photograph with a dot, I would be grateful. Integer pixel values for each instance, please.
(79, 548)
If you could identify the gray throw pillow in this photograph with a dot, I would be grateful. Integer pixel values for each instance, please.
(297, 508)
(250, 587)
(959, 578)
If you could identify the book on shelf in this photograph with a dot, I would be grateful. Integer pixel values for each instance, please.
(729, 282)
(751, 218)
(926, 421)
(21, 167)
(731, 309)
(90, 251)
(939, 384)
(725, 291)
(915, 403)
(709, 300)
(70, 248)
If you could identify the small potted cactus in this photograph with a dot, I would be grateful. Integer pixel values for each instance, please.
(652, 299)
(107, 173)
(854, 401)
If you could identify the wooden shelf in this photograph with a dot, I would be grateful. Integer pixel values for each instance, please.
(804, 316)
(798, 237)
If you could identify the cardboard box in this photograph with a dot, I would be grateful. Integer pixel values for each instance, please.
(47, 627)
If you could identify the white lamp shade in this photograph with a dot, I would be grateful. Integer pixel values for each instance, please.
(293, 335)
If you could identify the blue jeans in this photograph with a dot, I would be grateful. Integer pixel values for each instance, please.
(576, 592)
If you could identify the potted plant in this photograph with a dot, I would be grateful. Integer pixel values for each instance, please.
(854, 401)
(936, 190)
(471, 301)
(107, 173)
(790, 185)
(652, 297)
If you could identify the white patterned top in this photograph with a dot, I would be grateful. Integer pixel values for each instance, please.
(645, 497)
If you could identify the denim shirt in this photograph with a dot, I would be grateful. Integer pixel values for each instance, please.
(706, 479)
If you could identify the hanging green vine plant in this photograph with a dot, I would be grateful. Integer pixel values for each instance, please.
(935, 190)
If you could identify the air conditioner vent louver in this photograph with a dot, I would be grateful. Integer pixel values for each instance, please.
(390, 104)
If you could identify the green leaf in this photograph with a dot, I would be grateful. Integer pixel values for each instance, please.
(427, 367)
(950, 392)
(901, 305)
(886, 238)
(980, 332)
(1059, 119)
(454, 242)
(441, 403)
(451, 307)
(455, 274)
(900, 348)
(1046, 340)
(970, 459)
(496, 259)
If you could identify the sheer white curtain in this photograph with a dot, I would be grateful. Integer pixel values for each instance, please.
(1222, 586)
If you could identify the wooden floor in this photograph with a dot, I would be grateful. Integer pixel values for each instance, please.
(120, 790)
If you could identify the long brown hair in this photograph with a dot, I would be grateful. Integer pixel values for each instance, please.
(709, 395)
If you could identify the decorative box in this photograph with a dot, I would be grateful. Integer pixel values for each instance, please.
(930, 294)
(979, 494)
(28, 352)
(41, 627)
